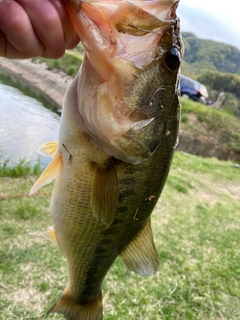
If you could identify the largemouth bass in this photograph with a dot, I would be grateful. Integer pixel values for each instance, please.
(118, 131)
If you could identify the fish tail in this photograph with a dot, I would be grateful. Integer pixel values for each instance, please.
(72, 310)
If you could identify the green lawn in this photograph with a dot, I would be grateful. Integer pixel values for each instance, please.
(197, 230)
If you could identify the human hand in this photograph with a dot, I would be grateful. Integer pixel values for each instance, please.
(31, 28)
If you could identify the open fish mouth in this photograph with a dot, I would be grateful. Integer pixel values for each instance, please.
(131, 47)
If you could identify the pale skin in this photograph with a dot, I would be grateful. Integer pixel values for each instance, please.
(32, 28)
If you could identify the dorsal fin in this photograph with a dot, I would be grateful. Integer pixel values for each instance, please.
(140, 254)
(49, 149)
(104, 193)
(49, 174)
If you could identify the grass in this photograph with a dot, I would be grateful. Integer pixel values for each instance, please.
(69, 63)
(206, 123)
(21, 169)
(196, 227)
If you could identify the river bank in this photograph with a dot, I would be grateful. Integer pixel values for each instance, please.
(49, 85)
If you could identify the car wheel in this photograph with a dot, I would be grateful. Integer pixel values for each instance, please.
(185, 95)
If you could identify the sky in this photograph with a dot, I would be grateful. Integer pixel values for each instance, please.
(212, 19)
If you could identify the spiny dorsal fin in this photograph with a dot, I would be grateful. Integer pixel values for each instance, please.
(49, 174)
(48, 234)
(140, 254)
(75, 311)
(104, 193)
(49, 149)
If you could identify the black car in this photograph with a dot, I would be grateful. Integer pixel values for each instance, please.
(193, 89)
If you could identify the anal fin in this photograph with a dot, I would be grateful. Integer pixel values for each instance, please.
(104, 193)
(72, 310)
(49, 174)
(140, 254)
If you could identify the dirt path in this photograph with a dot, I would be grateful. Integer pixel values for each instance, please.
(29, 74)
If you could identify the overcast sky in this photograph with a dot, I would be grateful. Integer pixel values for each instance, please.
(212, 19)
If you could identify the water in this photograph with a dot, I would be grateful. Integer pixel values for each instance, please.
(24, 125)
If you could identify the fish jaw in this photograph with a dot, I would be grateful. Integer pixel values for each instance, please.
(127, 44)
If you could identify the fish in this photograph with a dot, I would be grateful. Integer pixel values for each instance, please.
(118, 132)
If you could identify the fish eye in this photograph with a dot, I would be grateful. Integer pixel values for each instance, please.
(173, 59)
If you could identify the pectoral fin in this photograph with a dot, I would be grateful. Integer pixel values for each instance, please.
(49, 174)
(49, 149)
(104, 193)
(48, 234)
(140, 255)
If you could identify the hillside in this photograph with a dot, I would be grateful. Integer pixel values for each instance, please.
(207, 55)
(209, 132)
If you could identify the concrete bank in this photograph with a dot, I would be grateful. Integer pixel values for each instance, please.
(35, 77)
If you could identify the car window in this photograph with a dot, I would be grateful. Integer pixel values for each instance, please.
(186, 83)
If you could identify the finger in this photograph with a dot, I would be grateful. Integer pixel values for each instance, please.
(47, 26)
(17, 37)
(70, 35)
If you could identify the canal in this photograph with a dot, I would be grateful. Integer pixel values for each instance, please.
(25, 123)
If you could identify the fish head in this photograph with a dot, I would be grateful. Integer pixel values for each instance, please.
(151, 96)
(129, 101)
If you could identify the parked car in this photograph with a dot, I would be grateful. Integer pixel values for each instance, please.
(193, 89)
